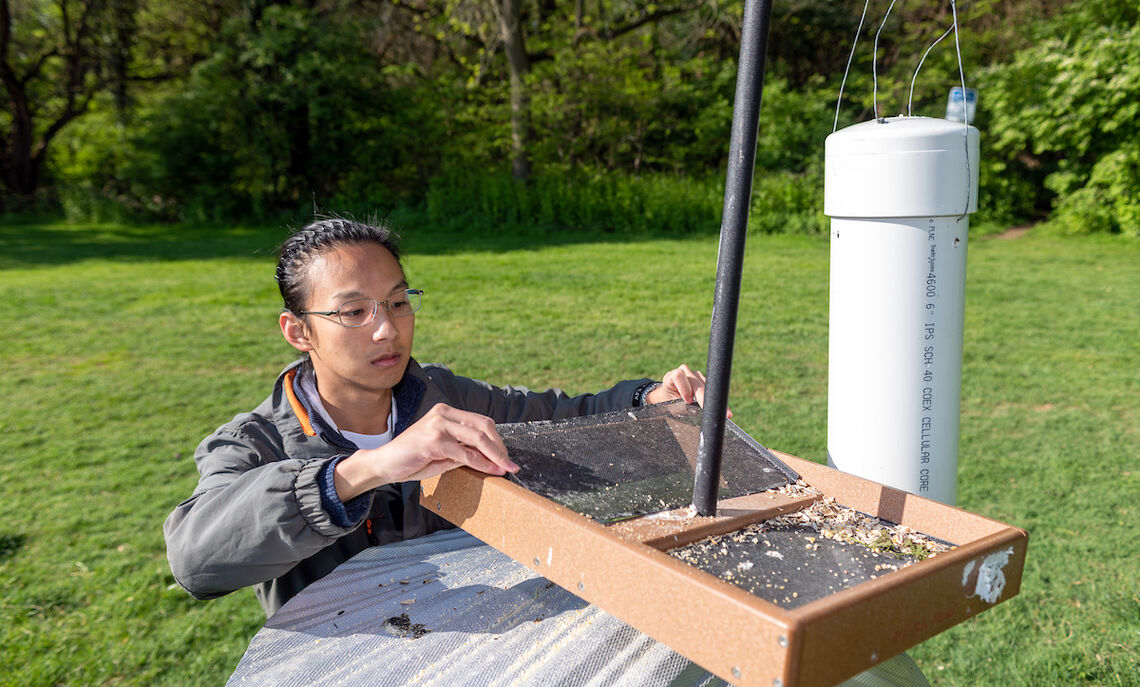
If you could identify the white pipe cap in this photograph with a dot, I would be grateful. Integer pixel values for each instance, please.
(901, 167)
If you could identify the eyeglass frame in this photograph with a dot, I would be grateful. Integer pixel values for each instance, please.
(376, 303)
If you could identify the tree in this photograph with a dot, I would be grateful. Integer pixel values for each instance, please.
(472, 31)
(514, 44)
(57, 57)
(298, 103)
(51, 66)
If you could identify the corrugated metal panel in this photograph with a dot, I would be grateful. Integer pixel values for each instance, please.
(489, 621)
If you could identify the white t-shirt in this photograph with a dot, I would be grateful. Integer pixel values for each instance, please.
(308, 380)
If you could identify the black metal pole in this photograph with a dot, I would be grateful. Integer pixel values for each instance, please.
(730, 259)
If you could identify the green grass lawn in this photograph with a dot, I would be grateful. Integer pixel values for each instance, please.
(124, 346)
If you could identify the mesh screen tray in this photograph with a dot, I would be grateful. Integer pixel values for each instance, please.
(623, 464)
(765, 627)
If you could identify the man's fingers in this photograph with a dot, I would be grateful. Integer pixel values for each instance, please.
(683, 378)
(689, 385)
(477, 461)
(480, 460)
(483, 448)
(671, 384)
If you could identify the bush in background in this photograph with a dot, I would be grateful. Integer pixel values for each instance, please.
(1065, 113)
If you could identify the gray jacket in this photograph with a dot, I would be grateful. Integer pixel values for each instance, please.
(257, 518)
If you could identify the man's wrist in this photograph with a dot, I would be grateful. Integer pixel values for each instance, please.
(343, 512)
(641, 394)
(356, 475)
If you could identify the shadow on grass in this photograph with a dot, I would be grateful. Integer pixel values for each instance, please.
(32, 245)
(10, 544)
(38, 245)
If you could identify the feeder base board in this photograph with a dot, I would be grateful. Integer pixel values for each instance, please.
(739, 636)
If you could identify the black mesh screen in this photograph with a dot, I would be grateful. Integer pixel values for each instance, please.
(626, 463)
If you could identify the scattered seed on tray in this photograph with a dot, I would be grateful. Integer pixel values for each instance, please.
(745, 558)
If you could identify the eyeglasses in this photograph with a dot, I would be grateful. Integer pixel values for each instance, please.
(361, 311)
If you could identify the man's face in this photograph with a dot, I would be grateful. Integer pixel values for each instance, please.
(368, 359)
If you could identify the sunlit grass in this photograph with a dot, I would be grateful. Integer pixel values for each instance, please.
(124, 346)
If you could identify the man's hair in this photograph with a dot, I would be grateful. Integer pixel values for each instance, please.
(317, 238)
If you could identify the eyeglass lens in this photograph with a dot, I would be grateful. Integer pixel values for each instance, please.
(361, 311)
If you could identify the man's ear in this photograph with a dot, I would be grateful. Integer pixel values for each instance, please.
(295, 332)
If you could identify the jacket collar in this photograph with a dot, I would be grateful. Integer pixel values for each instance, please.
(408, 394)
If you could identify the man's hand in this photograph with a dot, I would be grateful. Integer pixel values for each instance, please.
(683, 383)
(443, 439)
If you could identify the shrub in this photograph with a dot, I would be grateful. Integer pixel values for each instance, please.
(1107, 201)
(1068, 112)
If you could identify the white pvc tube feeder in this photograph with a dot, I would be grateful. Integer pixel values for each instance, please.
(898, 191)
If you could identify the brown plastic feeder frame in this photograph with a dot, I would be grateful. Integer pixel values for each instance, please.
(738, 636)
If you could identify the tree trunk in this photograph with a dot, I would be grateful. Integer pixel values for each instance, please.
(519, 64)
(299, 170)
(24, 155)
(19, 167)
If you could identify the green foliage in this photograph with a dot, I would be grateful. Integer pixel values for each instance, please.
(88, 152)
(656, 204)
(1008, 191)
(622, 107)
(288, 110)
(787, 203)
(613, 117)
(660, 204)
(1067, 112)
(1057, 95)
(66, 60)
(794, 121)
(342, 104)
(1107, 202)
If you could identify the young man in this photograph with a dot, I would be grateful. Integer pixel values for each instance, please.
(329, 464)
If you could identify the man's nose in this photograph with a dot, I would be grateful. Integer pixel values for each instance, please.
(384, 326)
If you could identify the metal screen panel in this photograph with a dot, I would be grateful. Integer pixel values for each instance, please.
(622, 464)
